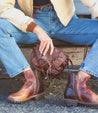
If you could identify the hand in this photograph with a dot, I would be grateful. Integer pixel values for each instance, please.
(46, 42)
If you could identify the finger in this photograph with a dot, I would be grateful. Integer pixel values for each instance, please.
(46, 49)
(52, 48)
(42, 47)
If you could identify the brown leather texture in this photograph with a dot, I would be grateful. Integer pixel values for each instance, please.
(84, 92)
(33, 87)
(69, 90)
(77, 91)
(50, 64)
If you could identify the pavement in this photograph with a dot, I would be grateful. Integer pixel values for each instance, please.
(53, 102)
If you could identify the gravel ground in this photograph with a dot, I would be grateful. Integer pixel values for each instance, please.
(53, 102)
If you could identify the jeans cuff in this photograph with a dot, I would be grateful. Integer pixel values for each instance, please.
(87, 71)
(19, 71)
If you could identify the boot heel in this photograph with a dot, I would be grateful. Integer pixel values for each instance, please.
(40, 97)
(70, 103)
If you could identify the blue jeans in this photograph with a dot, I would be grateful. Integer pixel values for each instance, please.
(78, 31)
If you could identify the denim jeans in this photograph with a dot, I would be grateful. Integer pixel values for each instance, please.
(78, 31)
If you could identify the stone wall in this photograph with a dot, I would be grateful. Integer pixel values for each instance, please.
(76, 54)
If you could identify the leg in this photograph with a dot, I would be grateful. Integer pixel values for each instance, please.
(78, 31)
(33, 86)
(15, 62)
(10, 54)
(82, 32)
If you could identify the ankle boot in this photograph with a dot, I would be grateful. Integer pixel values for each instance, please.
(33, 88)
(78, 93)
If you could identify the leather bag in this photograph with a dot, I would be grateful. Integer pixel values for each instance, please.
(50, 64)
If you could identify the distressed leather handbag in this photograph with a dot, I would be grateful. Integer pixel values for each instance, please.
(50, 64)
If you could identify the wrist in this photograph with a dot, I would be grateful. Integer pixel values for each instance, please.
(31, 27)
(36, 29)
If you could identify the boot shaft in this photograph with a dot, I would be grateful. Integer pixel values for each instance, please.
(36, 79)
(69, 91)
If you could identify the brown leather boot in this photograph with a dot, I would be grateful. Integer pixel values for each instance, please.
(78, 93)
(33, 88)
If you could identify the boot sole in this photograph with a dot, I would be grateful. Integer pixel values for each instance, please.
(40, 96)
(72, 102)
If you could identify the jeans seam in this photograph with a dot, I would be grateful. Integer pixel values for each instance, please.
(19, 71)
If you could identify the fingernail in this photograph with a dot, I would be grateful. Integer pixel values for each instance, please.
(41, 52)
(50, 53)
(44, 54)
